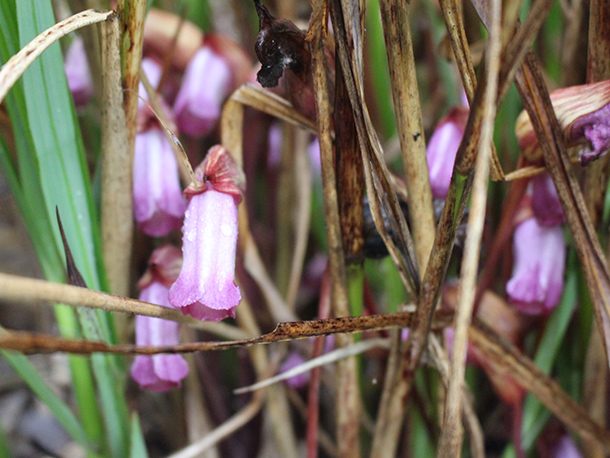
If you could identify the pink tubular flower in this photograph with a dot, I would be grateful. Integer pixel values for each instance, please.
(545, 201)
(158, 372)
(78, 74)
(207, 81)
(442, 149)
(206, 288)
(157, 199)
(537, 280)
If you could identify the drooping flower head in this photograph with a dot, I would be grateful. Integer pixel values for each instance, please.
(159, 372)
(584, 114)
(206, 288)
(78, 73)
(539, 261)
(443, 148)
(158, 203)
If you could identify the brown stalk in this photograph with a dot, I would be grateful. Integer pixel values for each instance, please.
(34, 291)
(506, 358)
(536, 100)
(450, 442)
(405, 94)
(350, 176)
(117, 165)
(132, 14)
(348, 393)
(382, 196)
(595, 380)
(459, 45)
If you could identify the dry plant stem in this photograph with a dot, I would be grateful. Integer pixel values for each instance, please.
(350, 177)
(16, 65)
(537, 102)
(348, 392)
(450, 442)
(441, 362)
(302, 219)
(520, 43)
(508, 360)
(117, 164)
(132, 14)
(407, 107)
(272, 104)
(383, 201)
(398, 385)
(34, 291)
(225, 430)
(459, 45)
(595, 382)
(184, 166)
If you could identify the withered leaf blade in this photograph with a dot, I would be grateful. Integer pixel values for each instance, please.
(279, 45)
(74, 276)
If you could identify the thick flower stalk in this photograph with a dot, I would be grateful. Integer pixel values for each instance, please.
(78, 73)
(157, 198)
(159, 372)
(206, 288)
(207, 82)
(537, 279)
(583, 113)
(442, 149)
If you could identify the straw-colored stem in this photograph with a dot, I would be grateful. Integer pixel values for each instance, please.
(117, 163)
(450, 442)
(405, 94)
(347, 393)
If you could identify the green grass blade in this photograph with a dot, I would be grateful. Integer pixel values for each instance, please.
(37, 384)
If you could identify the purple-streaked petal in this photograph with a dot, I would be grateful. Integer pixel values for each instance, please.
(206, 288)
